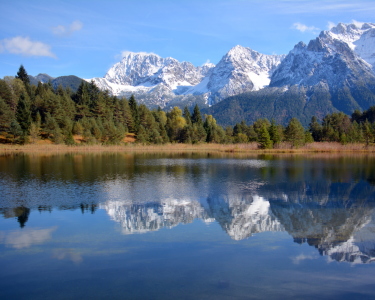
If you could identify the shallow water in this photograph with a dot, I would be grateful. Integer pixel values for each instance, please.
(125, 226)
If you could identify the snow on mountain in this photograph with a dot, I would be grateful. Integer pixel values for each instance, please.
(339, 57)
(240, 70)
(148, 73)
(360, 38)
(342, 56)
(148, 69)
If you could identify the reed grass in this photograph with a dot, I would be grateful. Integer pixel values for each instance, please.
(317, 147)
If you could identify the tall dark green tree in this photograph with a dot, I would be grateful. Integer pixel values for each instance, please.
(264, 139)
(316, 129)
(187, 115)
(275, 132)
(135, 113)
(196, 118)
(23, 113)
(22, 74)
(15, 130)
(6, 115)
(295, 133)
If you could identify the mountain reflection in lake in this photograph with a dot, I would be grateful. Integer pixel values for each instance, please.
(196, 226)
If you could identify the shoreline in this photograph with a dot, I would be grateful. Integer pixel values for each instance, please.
(250, 148)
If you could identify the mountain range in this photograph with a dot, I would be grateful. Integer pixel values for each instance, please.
(70, 81)
(333, 72)
(161, 81)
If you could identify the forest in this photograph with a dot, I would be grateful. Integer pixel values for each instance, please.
(34, 113)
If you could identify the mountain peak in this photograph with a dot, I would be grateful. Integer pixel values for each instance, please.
(342, 28)
(360, 37)
(239, 52)
(238, 48)
(126, 54)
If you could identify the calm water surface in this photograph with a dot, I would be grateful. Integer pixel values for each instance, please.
(124, 226)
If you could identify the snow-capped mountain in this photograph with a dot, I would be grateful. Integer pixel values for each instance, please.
(359, 37)
(240, 70)
(333, 72)
(340, 57)
(148, 69)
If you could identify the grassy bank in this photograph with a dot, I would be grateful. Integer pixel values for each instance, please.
(329, 147)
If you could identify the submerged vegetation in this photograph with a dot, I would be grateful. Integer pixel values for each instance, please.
(43, 115)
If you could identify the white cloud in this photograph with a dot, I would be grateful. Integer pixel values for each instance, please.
(296, 260)
(25, 46)
(26, 238)
(330, 25)
(67, 30)
(67, 254)
(304, 28)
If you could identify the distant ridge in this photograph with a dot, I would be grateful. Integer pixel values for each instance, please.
(70, 81)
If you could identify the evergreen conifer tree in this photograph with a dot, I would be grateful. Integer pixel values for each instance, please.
(196, 118)
(134, 111)
(264, 139)
(275, 133)
(23, 112)
(6, 116)
(22, 74)
(15, 130)
(295, 133)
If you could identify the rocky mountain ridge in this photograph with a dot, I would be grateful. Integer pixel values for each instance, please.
(333, 72)
(332, 59)
(240, 70)
(341, 57)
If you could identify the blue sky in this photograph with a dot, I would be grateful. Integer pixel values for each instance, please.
(85, 38)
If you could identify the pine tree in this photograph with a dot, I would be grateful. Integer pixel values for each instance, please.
(196, 118)
(308, 137)
(34, 132)
(264, 139)
(187, 115)
(6, 116)
(315, 129)
(367, 132)
(134, 111)
(53, 129)
(22, 74)
(15, 130)
(295, 133)
(275, 133)
(23, 113)
(69, 139)
(142, 136)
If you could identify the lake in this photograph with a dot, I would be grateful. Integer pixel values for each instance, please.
(187, 226)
